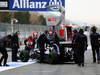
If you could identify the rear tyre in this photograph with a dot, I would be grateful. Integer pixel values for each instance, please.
(24, 56)
(53, 58)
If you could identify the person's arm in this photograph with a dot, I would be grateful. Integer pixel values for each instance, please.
(73, 39)
(47, 41)
(7, 42)
(33, 42)
(86, 44)
(39, 39)
(91, 38)
(77, 39)
(57, 40)
(86, 41)
(4, 42)
(25, 42)
(13, 39)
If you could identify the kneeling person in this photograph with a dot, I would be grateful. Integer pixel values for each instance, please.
(29, 44)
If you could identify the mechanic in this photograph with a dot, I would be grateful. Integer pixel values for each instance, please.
(30, 44)
(41, 44)
(81, 42)
(15, 46)
(74, 36)
(35, 35)
(56, 41)
(56, 38)
(50, 32)
(73, 42)
(95, 44)
(3, 43)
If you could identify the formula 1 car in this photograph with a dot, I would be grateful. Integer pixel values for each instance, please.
(52, 55)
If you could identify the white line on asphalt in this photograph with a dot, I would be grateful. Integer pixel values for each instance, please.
(13, 65)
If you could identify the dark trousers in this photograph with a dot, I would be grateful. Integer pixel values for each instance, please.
(4, 55)
(75, 55)
(41, 55)
(95, 50)
(14, 54)
(80, 55)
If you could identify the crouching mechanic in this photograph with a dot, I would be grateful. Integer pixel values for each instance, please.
(3, 51)
(29, 44)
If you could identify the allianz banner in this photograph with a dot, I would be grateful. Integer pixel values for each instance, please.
(33, 5)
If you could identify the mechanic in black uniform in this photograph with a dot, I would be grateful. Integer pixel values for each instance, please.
(74, 49)
(56, 42)
(81, 42)
(3, 51)
(74, 36)
(56, 38)
(41, 44)
(95, 45)
(15, 46)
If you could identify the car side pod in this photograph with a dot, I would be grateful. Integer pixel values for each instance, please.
(53, 58)
(24, 55)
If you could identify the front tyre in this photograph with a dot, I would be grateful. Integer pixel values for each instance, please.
(24, 56)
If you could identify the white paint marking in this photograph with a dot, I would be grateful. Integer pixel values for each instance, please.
(13, 65)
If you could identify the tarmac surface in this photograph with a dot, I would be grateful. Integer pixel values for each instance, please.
(66, 68)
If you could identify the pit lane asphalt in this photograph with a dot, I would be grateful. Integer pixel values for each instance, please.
(67, 68)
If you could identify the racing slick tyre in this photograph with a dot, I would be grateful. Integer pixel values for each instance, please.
(24, 56)
(53, 58)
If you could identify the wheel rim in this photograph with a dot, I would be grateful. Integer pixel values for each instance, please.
(22, 56)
